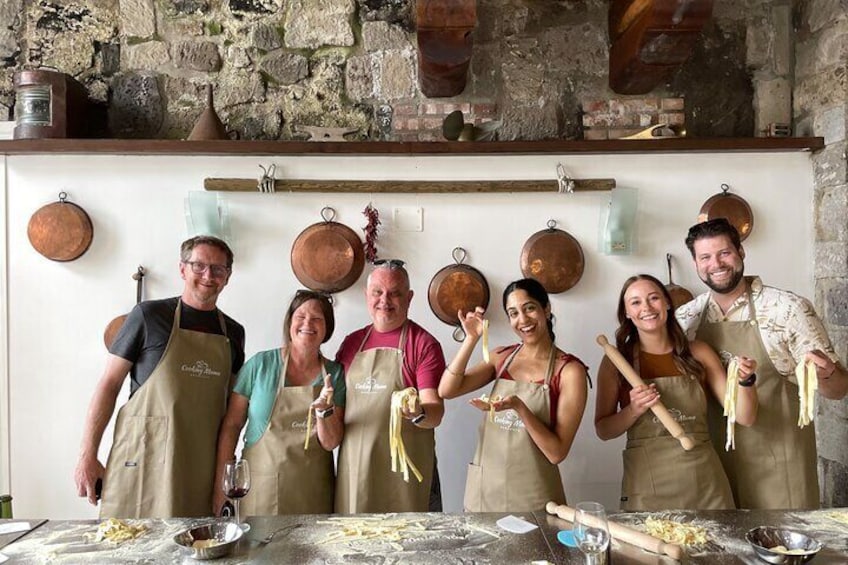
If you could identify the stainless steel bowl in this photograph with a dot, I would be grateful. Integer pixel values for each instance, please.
(225, 534)
(764, 538)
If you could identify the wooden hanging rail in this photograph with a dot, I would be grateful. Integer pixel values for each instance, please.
(407, 186)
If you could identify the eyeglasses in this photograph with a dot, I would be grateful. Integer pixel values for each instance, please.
(217, 271)
(389, 263)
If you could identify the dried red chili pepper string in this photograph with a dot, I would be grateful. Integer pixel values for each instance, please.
(371, 232)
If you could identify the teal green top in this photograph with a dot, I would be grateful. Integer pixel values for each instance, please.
(258, 379)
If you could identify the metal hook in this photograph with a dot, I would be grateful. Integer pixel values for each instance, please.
(328, 214)
(266, 182)
(63, 196)
(551, 224)
(458, 334)
(459, 255)
(724, 188)
(566, 184)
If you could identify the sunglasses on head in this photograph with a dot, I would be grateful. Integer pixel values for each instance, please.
(390, 263)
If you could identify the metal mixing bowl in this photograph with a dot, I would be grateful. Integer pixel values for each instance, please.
(227, 534)
(763, 538)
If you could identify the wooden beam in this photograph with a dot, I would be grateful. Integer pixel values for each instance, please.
(406, 186)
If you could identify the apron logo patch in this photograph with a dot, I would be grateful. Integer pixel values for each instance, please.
(677, 415)
(370, 386)
(509, 421)
(200, 369)
(299, 425)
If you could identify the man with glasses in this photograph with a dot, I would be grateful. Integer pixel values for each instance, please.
(390, 354)
(181, 354)
(774, 462)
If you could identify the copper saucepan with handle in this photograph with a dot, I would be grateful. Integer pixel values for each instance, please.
(457, 287)
(679, 295)
(117, 322)
(730, 206)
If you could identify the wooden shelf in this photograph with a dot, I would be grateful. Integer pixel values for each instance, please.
(179, 147)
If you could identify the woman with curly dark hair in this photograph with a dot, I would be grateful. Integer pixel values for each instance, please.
(658, 473)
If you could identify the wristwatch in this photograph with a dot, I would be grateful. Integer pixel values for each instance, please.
(419, 418)
(326, 413)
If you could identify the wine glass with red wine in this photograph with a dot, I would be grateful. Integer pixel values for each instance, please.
(236, 485)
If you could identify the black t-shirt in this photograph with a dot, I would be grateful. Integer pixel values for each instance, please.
(145, 334)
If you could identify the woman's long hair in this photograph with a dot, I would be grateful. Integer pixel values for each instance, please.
(627, 336)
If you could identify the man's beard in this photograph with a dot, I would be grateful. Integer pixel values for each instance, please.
(728, 287)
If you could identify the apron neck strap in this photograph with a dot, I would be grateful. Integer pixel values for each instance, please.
(179, 311)
(401, 339)
(550, 367)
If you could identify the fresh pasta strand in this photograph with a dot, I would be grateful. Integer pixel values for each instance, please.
(400, 459)
(485, 344)
(490, 400)
(808, 384)
(731, 395)
(308, 429)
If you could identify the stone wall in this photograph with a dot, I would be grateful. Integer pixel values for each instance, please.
(277, 64)
(820, 98)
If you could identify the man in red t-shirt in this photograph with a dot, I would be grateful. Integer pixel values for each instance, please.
(389, 354)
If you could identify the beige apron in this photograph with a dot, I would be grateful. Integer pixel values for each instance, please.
(285, 478)
(509, 473)
(162, 462)
(774, 463)
(365, 481)
(658, 473)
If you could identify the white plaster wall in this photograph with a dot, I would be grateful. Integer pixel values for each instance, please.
(57, 311)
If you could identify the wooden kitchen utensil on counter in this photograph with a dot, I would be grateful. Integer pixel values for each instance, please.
(328, 256)
(679, 294)
(659, 409)
(61, 231)
(620, 532)
(730, 206)
(117, 322)
(554, 258)
(457, 287)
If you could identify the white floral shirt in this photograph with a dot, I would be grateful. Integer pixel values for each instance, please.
(788, 323)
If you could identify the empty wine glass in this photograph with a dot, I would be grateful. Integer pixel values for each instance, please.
(591, 531)
(236, 485)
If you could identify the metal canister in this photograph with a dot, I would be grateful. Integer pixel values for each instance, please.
(6, 506)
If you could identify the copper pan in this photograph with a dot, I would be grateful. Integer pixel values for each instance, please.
(679, 295)
(60, 231)
(117, 322)
(457, 287)
(327, 256)
(554, 258)
(734, 208)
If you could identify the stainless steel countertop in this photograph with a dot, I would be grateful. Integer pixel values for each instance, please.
(441, 538)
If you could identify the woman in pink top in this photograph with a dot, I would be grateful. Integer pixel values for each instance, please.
(535, 406)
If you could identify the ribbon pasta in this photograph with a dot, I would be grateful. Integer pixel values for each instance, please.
(808, 384)
(400, 459)
(731, 394)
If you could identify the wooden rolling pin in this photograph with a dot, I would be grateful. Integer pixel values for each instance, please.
(659, 409)
(623, 533)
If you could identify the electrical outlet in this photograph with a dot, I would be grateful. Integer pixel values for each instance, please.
(408, 218)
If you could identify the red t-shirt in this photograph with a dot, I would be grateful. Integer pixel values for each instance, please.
(554, 382)
(423, 359)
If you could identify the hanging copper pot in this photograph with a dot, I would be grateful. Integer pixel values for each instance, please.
(60, 231)
(117, 322)
(457, 287)
(554, 258)
(679, 294)
(734, 208)
(328, 256)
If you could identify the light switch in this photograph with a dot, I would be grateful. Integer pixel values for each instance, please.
(408, 218)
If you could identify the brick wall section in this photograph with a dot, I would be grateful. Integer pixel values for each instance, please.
(620, 117)
(422, 121)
